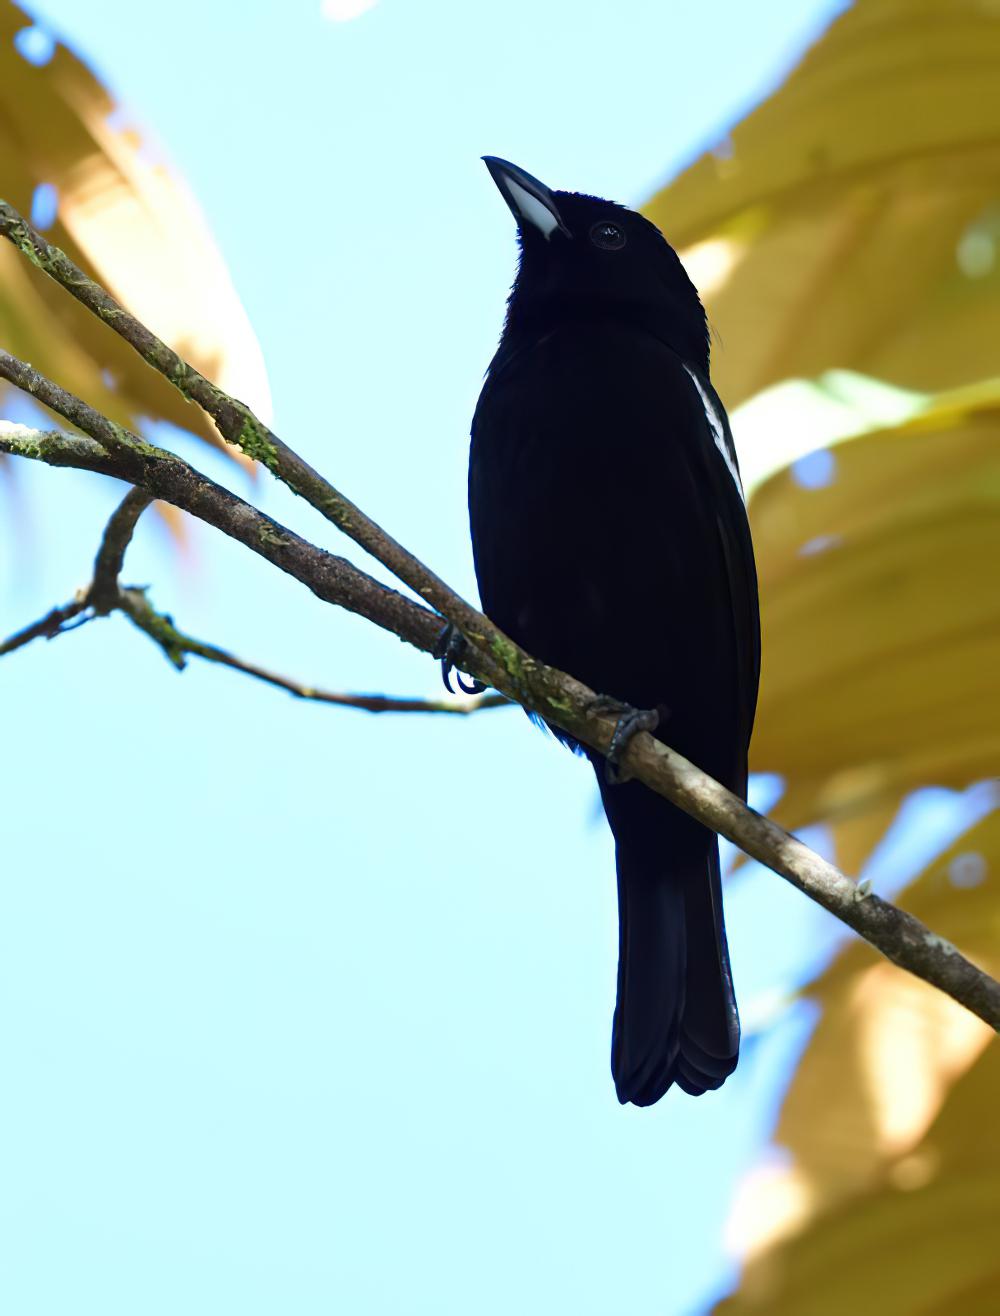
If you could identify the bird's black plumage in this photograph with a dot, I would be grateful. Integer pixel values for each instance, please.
(611, 540)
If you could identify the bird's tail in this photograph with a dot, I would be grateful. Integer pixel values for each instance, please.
(675, 1017)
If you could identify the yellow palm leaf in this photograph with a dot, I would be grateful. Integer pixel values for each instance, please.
(881, 615)
(893, 1180)
(853, 219)
(128, 222)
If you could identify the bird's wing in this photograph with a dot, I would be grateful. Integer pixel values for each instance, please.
(722, 470)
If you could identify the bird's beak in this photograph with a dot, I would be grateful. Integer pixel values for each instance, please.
(530, 201)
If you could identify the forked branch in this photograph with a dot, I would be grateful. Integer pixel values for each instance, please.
(106, 594)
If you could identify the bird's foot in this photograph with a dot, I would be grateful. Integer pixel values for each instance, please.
(451, 648)
(630, 722)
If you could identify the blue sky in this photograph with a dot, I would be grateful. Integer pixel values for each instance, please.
(306, 1010)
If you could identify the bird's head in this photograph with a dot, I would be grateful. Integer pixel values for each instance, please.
(584, 257)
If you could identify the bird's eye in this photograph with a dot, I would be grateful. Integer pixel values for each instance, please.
(607, 235)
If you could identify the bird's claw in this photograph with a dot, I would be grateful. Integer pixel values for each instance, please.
(630, 722)
(450, 649)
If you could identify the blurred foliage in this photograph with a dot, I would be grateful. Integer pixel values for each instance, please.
(881, 615)
(99, 193)
(851, 223)
(852, 219)
(892, 1198)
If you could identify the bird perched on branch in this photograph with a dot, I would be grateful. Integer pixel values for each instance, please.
(611, 541)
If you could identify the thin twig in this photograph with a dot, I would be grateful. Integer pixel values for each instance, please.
(52, 624)
(556, 697)
(176, 645)
(103, 595)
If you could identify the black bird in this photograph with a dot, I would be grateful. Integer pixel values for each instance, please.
(611, 540)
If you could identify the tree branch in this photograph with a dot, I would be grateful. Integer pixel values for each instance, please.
(898, 935)
(493, 657)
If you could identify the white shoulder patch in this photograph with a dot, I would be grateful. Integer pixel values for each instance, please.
(718, 434)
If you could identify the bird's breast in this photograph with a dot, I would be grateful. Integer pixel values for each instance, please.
(593, 413)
